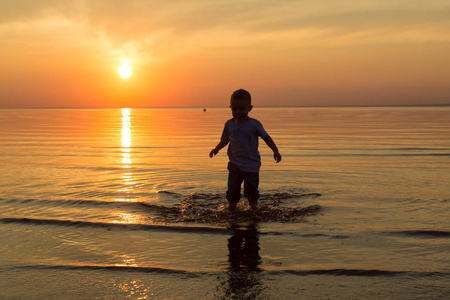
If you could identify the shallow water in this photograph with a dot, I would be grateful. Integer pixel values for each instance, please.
(126, 203)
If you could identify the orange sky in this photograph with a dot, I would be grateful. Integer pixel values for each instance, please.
(184, 53)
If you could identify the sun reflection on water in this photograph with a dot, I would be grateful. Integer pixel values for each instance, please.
(126, 218)
(126, 163)
(136, 289)
(127, 261)
(126, 138)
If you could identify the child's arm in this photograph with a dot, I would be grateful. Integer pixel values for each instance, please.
(271, 144)
(219, 146)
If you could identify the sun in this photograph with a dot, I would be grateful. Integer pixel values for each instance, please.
(125, 70)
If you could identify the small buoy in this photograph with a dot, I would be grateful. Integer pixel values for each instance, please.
(204, 109)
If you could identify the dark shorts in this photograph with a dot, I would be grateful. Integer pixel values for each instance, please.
(235, 179)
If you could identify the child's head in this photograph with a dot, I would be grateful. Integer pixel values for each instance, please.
(241, 95)
(241, 104)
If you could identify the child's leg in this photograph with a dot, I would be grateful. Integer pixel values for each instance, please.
(251, 184)
(235, 178)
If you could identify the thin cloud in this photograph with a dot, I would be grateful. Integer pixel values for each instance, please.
(133, 21)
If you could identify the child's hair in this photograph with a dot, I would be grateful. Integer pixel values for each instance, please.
(242, 95)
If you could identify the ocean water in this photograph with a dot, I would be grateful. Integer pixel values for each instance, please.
(126, 204)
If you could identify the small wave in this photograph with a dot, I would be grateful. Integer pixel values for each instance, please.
(308, 235)
(114, 268)
(204, 208)
(127, 226)
(424, 233)
(198, 274)
(169, 193)
(76, 202)
(278, 196)
(360, 272)
(314, 235)
(59, 202)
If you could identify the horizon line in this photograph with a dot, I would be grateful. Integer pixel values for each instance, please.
(221, 107)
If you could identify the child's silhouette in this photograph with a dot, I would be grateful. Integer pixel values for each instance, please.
(242, 133)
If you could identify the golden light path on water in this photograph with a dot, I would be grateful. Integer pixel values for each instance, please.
(126, 154)
(128, 185)
(126, 138)
(128, 182)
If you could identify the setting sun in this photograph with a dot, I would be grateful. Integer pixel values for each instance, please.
(125, 69)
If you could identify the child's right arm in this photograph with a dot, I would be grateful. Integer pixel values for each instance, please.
(216, 150)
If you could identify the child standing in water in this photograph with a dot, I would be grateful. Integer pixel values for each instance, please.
(242, 133)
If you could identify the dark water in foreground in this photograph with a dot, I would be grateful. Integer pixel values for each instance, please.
(115, 204)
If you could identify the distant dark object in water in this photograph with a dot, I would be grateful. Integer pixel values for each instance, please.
(204, 109)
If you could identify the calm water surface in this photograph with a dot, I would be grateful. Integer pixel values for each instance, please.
(126, 203)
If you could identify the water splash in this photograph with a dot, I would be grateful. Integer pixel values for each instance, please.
(212, 209)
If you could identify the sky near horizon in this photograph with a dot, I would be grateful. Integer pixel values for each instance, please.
(195, 53)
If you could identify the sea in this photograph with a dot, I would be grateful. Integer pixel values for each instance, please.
(127, 204)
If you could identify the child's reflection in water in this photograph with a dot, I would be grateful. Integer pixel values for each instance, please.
(244, 278)
(243, 249)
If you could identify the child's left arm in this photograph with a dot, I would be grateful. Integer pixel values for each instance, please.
(271, 144)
